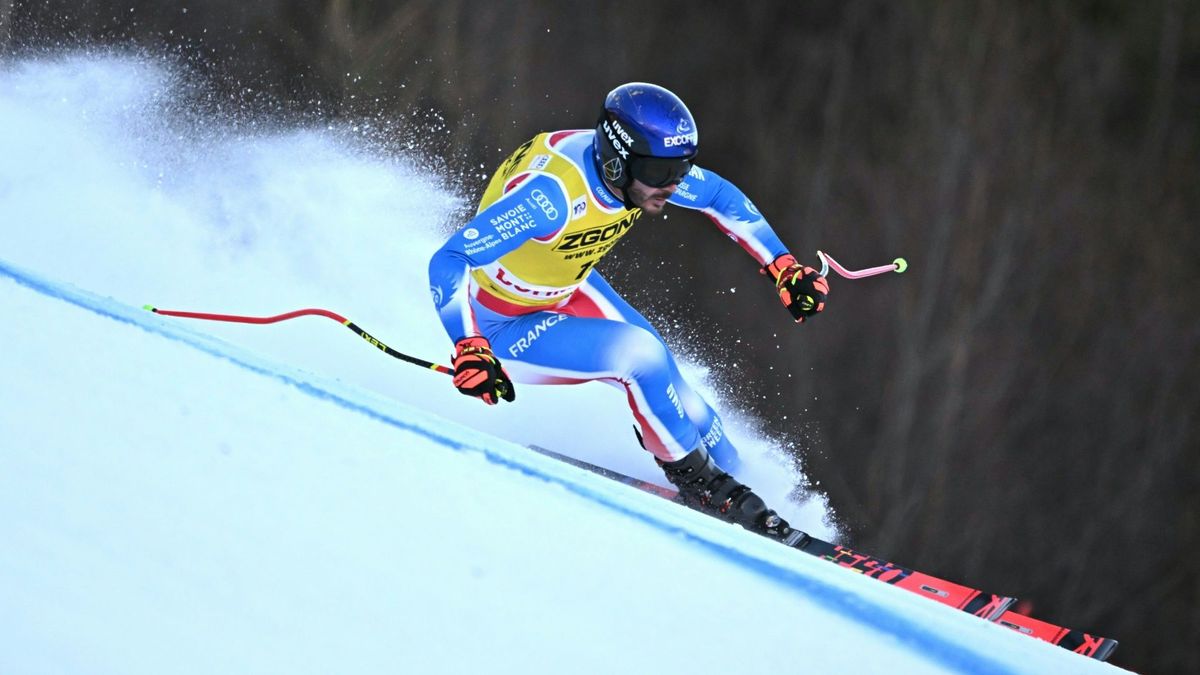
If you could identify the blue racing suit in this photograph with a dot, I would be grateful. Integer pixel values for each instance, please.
(521, 274)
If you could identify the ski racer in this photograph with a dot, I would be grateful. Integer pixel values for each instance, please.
(518, 282)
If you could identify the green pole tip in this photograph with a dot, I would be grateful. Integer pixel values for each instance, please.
(901, 265)
(148, 308)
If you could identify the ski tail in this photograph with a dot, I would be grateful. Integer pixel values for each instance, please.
(1094, 646)
(643, 485)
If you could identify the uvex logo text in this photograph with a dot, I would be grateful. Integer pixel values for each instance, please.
(612, 130)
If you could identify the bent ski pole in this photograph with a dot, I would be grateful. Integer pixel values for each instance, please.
(305, 312)
(898, 266)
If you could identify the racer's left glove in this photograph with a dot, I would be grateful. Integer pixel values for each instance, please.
(801, 289)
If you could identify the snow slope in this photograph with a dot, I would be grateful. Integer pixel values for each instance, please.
(176, 504)
(194, 497)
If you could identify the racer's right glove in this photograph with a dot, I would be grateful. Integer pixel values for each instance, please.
(478, 373)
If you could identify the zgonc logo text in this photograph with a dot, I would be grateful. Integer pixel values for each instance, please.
(573, 241)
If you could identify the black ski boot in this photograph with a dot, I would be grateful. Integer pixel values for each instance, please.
(705, 487)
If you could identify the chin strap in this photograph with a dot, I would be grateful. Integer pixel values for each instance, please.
(625, 199)
(622, 192)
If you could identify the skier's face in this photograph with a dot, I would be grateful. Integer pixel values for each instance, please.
(651, 200)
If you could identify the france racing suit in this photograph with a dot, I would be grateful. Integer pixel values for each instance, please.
(521, 273)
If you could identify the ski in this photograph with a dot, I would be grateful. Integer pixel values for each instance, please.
(1099, 648)
(996, 608)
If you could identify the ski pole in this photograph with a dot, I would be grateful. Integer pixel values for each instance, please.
(898, 266)
(305, 312)
(827, 262)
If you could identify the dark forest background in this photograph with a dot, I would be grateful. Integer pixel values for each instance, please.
(1018, 411)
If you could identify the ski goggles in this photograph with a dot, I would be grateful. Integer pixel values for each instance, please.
(659, 172)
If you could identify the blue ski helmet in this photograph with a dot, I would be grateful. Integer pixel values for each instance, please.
(645, 132)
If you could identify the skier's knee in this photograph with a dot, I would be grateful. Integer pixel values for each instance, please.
(640, 352)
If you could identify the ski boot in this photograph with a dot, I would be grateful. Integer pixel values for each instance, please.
(704, 487)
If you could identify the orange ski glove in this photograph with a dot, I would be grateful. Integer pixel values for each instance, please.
(478, 373)
(801, 289)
